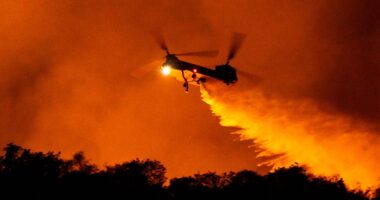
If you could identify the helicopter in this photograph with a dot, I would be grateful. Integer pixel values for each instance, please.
(224, 72)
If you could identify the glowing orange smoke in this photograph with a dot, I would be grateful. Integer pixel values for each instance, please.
(329, 145)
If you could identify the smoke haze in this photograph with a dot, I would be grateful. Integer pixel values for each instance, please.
(66, 83)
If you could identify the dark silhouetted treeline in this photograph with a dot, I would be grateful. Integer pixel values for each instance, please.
(35, 175)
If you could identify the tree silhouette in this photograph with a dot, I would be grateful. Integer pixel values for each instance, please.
(24, 173)
(376, 195)
(246, 183)
(79, 164)
(35, 175)
(137, 172)
(22, 163)
(198, 186)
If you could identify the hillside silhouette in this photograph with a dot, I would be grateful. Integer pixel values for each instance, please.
(37, 175)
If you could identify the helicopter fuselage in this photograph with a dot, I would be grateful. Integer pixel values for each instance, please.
(225, 73)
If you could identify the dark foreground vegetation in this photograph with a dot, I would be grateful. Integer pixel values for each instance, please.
(36, 175)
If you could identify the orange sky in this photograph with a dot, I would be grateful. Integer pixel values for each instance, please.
(66, 83)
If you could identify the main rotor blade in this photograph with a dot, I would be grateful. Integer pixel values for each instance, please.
(236, 42)
(249, 78)
(211, 53)
(159, 38)
(146, 69)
